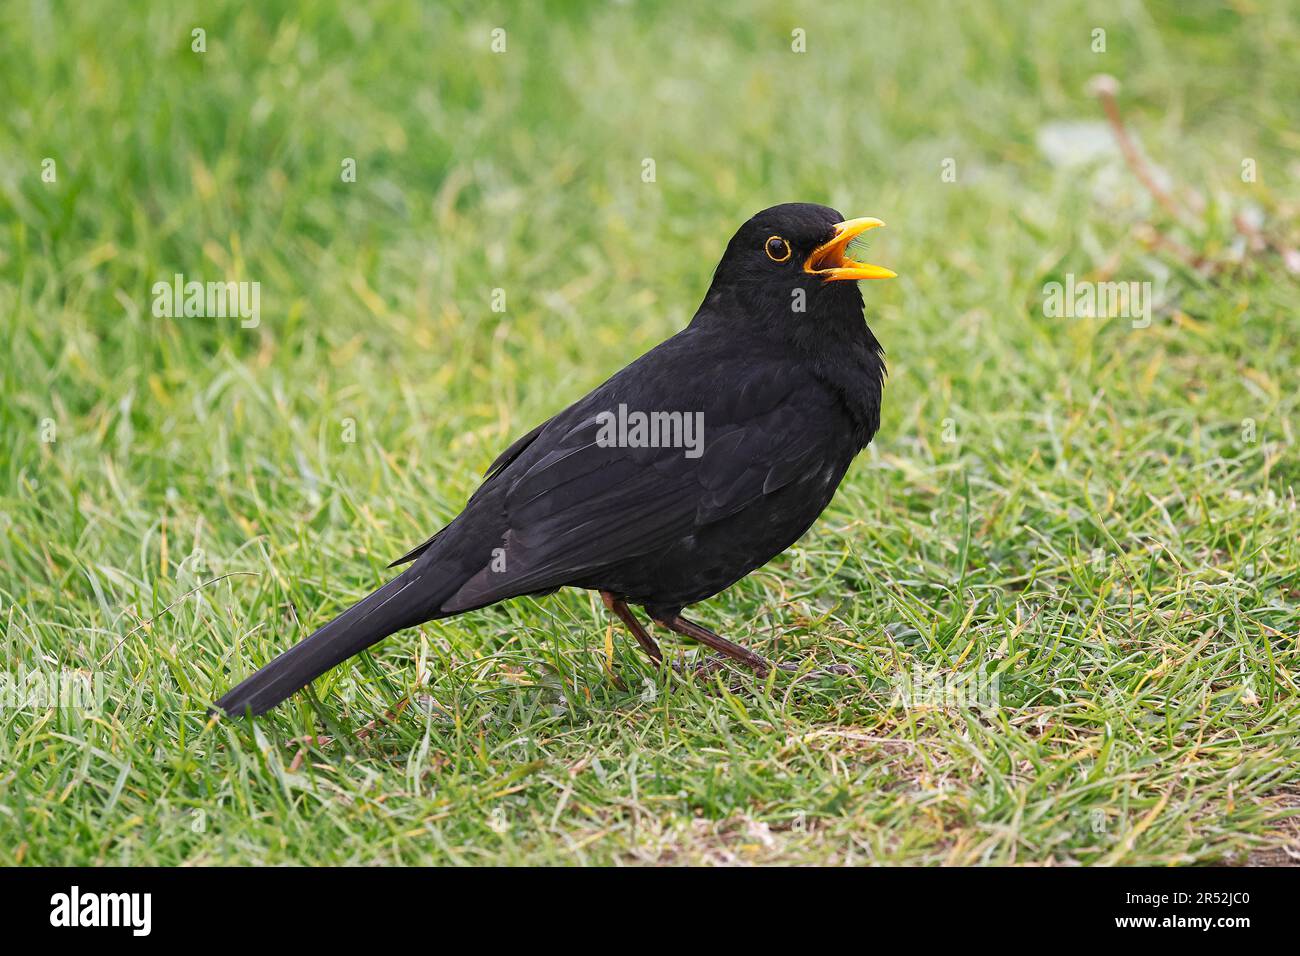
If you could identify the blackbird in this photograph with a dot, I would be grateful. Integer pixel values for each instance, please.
(699, 462)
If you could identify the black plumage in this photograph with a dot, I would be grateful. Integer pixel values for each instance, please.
(781, 370)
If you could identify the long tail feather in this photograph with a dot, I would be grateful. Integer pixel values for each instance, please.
(402, 602)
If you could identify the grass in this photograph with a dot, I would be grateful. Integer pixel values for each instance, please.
(1100, 517)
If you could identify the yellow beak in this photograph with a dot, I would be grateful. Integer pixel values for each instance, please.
(829, 262)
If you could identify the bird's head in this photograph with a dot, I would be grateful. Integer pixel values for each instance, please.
(789, 263)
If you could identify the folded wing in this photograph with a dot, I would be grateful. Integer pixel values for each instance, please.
(576, 503)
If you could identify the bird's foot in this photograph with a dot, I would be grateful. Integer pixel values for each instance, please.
(717, 662)
(705, 668)
(830, 670)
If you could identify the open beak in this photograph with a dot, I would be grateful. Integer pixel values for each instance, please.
(829, 261)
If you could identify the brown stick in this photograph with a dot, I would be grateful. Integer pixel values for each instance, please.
(1106, 87)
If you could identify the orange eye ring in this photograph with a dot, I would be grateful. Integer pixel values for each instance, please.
(777, 249)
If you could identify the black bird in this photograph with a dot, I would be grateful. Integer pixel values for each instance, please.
(699, 462)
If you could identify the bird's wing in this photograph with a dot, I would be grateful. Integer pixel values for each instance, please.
(498, 465)
(575, 504)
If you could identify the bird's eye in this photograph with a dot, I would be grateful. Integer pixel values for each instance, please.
(778, 250)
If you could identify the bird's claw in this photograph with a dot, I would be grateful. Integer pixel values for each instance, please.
(830, 670)
(717, 662)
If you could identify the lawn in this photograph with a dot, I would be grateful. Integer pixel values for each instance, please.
(1066, 574)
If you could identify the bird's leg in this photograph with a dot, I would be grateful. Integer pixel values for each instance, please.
(690, 629)
(625, 615)
(760, 665)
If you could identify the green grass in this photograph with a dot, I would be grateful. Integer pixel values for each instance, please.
(1101, 532)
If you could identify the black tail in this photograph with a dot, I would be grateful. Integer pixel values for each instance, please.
(402, 602)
